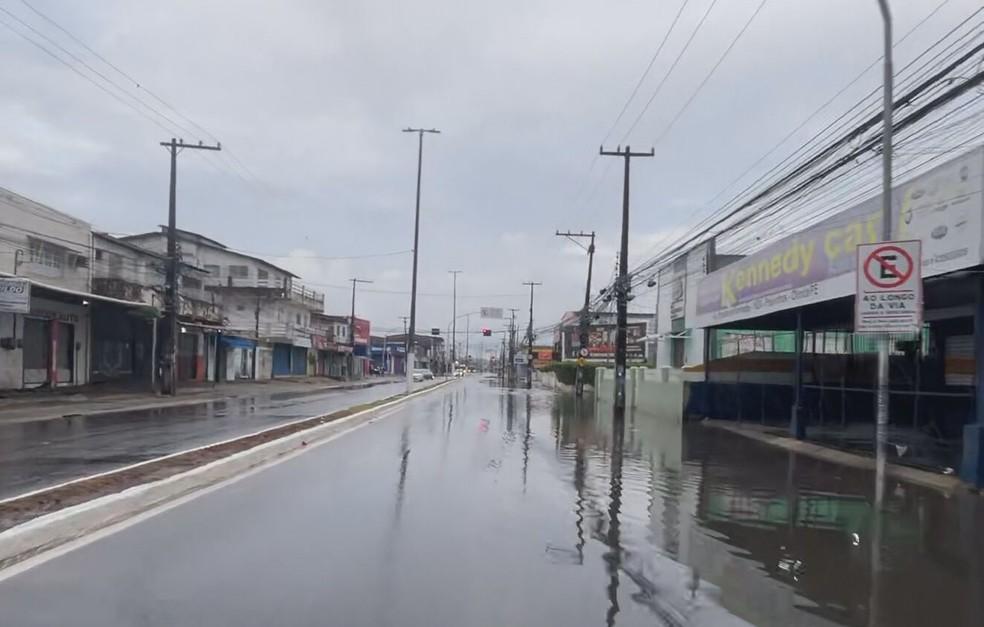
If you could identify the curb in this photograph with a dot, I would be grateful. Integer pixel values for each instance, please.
(50, 531)
(176, 403)
(948, 484)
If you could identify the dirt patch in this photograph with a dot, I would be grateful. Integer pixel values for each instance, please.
(21, 510)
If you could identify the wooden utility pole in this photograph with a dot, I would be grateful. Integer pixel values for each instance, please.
(169, 378)
(584, 321)
(622, 286)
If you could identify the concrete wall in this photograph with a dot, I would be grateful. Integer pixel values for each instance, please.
(657, 391)
(68, 241)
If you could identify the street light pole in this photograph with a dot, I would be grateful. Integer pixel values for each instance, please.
(454, 311)
(416, 242)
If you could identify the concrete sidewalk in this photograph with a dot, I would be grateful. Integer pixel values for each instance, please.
(45, 405)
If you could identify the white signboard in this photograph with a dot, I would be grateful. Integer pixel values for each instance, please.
(494, 313)
(520, 359)
(15, 295)
(889, 288)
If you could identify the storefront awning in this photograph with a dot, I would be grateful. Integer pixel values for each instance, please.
(88, 296)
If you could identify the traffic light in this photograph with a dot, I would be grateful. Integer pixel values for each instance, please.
(486, 332)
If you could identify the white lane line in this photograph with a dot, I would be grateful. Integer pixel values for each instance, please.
(72, 545)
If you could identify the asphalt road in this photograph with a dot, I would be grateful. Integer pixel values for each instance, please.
(39, 454)
(474, 505)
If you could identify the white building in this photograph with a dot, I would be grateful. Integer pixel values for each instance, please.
(46, 339)
(259, 301)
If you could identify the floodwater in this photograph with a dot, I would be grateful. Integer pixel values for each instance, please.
(477, 505)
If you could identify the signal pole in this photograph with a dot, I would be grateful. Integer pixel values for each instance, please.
(416, 241)
(529, 338)
(352, 327)
(169, 378)
(622, 283)
(585, 310)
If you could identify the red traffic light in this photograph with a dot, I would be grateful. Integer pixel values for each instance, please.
(486, 332)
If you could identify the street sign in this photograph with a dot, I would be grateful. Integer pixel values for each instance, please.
(583, 352)
(519, 359)
(435, 331)
(581, 361)
(494, 313)
(889, 288)
(15, 295)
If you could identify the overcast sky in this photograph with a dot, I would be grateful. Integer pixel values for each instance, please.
(309, 98)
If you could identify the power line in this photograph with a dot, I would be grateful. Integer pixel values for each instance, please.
(711, 73)
(669, 72)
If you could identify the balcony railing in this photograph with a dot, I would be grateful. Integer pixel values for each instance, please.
(279, 289)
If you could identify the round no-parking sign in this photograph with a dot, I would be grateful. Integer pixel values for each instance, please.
(889, 288)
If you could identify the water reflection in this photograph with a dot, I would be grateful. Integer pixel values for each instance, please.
(688, 515)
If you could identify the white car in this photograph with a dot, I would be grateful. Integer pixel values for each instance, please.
(420, 374)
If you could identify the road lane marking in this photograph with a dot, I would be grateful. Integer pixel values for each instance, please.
(66, 547)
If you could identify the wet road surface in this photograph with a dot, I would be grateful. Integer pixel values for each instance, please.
(40, 454)
(479, 506)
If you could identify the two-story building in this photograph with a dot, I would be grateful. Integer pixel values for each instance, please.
(267, 314)
(332, 345)
(46, 302)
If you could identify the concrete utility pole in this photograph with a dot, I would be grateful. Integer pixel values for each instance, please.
(416, 242)
(454, 311)
(622, 283)
(169, 379)
(584, 322)
(352, 327)
(529, 338)
(511, 372)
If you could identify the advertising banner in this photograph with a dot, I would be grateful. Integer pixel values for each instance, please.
(601, 341)
(941, 208)
(15, 295)
(493, 313)
(361, 330)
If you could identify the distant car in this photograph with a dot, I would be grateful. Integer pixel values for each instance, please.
(421, 373)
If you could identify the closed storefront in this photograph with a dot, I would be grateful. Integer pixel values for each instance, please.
(298, 362)
(281, 360)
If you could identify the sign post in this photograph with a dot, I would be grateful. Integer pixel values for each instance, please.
(889, 296)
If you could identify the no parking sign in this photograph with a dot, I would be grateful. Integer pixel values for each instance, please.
(889, 288)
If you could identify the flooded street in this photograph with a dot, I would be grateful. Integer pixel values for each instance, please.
(476, 505)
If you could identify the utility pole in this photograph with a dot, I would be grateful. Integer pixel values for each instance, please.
(352, 327)
(416, 242)
(511, 372)
(622, 283)
(405, 341)
(169, 380)
(454, 311)
(584, 322)
(529, 338)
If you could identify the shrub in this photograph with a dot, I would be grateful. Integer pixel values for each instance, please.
(566, 371)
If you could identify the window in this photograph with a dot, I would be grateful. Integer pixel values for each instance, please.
(262, 275)
(191, 283)
(45, 253)
(99, 254)
(239, 272)
(240, 307)
(298, 318)
(212, 269)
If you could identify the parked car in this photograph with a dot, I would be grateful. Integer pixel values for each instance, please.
(421, 374)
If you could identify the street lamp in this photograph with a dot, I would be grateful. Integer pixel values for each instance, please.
(416, 240)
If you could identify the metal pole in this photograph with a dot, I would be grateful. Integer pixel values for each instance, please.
(467, 337)
(529, 338)
(454, 312)
(883, 397)
(585, 319)
(416, 242)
